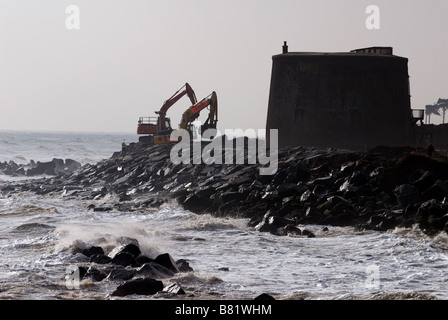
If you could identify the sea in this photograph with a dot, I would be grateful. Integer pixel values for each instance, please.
(41, 237)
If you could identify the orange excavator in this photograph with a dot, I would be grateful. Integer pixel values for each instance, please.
(191, 114)
(156, 129)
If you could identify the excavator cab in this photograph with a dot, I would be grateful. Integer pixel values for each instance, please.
(166, 128)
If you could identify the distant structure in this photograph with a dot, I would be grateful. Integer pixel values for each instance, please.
(355, 100)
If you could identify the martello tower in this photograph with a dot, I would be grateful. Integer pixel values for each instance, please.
(356, 100)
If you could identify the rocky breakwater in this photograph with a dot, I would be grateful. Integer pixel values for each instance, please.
(53, 167)
(126, 265)
(378, 190)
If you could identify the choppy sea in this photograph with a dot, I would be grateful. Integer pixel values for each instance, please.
(40, 235)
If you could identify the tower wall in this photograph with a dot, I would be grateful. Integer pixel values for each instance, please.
(342, 100)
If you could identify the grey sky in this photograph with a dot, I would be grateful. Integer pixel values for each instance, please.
(128, 57)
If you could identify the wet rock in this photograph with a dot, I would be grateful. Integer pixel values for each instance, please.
(46, 189)
(308, 233)
(166, 261)
(438, 223)
(292, 230)
(407, 194)
(425, 181)
(358, 178)
(132, 249)
(72, 165)
(439, 190)
(121, 274)
(342, 207)
(141, 260)
(271, 223)
(141, 286)
(174, 288)
(322, 181)
(337, 199)
(416, 175)
(264, 297)
(195, 203)
(386, 224)
(254, 221)
(123, 259)
(183, 266)
(96, 274)
(93, 250)
(154, 270)
(82, 271)
(100, 258)
(313, 215)
(287, 189)
(102, 209)
(43, 168)
(432, 213)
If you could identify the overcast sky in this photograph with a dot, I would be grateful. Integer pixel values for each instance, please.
(128, 57)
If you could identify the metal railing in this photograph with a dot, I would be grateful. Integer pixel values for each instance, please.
(147, 120)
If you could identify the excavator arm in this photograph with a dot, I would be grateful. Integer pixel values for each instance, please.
(193, 112)
(172, 100)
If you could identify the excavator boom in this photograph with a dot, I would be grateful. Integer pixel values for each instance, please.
(192, 113)
(159, 125)
(172, 100)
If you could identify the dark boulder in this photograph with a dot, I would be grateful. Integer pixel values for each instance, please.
(100, 258)
(407, 194)
(42, 168)
(141, 286)
(292, 230)
(121, 274)
(174, 288)
(271, 223)
(123, 259)
(195, 203)
(72, 165)
(307, 233)
(154, 270)
(264, 297)
(438, 223)
(439, 190)
(183, 266)
(102, 209)
(425, 181)
(166, 261)
(92, 250)
(132, 249)
(387, 223)
(416, 175)
(307, 196)
(432, 216)
(59, 168)
(82, 271)
(312, 215)
(141, 260)
(95, 274)
(287, 189)
(358, 178)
